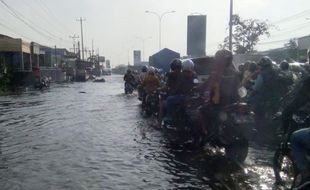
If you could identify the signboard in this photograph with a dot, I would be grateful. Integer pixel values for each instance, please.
(101, 59)
(196, 35)
(136, 57)
(108, 64)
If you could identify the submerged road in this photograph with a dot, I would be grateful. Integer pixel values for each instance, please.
(91, 136)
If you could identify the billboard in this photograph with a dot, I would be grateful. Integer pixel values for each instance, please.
(136, 57)
(196, 35)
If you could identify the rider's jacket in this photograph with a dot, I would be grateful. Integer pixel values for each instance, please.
(301, 100)
(150, 83)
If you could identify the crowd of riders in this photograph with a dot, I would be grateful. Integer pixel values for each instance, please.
(270, 88)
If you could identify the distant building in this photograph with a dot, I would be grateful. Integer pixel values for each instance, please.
(163, 58)
(303, 43)
(196, 35)
(136, 57)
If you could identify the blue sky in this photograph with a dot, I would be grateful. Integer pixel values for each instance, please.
(115, 24)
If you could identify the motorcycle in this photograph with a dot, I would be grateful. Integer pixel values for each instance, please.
(129, 88)
(151, 104)
(285, 170)
(43, 83)
(231, 127)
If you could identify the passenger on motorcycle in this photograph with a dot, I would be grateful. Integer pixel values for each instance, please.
(183, 84)
(151, 83)
(141, 77)
(220, 90)
(300, 139)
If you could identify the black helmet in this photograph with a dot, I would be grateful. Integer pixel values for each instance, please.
(176, 64)
(265, 62)
(224, 54)
(252, 67)
(144, 69)
(284, 65)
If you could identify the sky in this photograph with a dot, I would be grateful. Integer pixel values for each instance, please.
(117, 26)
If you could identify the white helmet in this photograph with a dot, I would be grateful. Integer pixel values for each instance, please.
(151, 70)
(188, 65)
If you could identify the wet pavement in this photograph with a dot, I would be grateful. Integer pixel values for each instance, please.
(92, 136)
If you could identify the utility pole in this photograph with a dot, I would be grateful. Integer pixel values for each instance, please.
(79, 50)
(230, 24)
(92, 48)
(81, 22)
(74, 42)
(55, 51)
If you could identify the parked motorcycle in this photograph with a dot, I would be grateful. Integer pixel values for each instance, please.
(43, 83)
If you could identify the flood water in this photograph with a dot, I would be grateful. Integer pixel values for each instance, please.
(92, 136)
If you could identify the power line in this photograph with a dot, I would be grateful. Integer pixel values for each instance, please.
(49, 12)
(45, 17)
(292, 17)
(22, 18)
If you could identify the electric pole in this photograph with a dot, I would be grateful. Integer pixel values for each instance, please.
(74, 42)
(92, 48)
(230, 24)
(81, 22)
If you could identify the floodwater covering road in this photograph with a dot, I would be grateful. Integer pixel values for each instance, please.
(92, 136)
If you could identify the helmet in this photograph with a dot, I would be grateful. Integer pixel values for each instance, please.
(176, 64)
(225, 55)
(284, 65)
(265, 62)
(144, 69)
(252, 67)
(128, 71)
(188, 65)
(151, 70)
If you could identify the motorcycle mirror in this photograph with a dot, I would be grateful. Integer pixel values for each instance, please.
(196, 81)
(242, 92)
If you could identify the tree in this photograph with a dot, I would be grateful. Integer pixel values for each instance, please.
(246, 34)
(292, 49)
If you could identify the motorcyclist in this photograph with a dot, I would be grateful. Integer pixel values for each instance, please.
(173, 76)
(264, 94)
(183, 85)
(171, 80)
(220, 90)
(300, 139)
(129, 77)
(150, 83)
(141, 78)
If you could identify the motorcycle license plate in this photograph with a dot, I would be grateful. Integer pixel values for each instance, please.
(243, 119)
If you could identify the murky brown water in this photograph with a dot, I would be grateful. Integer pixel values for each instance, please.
(91, 136)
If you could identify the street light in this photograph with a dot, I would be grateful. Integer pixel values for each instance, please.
(160, 17)
(143, 43)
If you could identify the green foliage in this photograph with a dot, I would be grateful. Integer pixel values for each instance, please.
(292, 49)
(246, 34)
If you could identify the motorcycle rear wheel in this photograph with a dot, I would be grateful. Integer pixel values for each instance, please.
(284, 169)
(237, 151)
